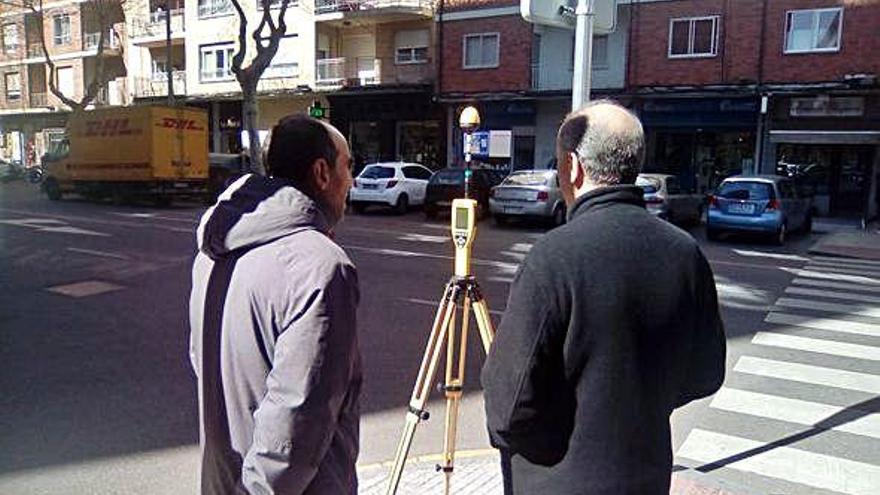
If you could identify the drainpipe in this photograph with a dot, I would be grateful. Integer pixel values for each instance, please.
(764, 100)
(438, 54)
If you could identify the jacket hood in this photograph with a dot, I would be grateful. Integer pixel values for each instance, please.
(256, 210)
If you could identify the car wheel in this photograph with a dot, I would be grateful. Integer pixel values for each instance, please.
(53, 189)
(402, 205)
(559, 216)
(780, 236)
(500, 219)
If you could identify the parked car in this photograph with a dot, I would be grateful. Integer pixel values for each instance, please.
(11, 170)
(448, 184)
(528, 194)
(768, 204)
(665, 198)
(397, 185)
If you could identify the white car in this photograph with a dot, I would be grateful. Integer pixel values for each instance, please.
(397, 185)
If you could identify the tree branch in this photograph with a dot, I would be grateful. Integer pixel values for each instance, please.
(238, 58)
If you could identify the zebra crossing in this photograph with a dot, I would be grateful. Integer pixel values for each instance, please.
(799, 413)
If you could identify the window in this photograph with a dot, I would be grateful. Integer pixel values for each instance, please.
(64, 80)
(61, 29)
(417, 173)
(481, 51)
(600, 52)
(216, 62)
(214, 8)
(10, 38)
(411, 47)
(693, 37)
(378, 172)
(815, 30)
(13, 86)
(285, 62)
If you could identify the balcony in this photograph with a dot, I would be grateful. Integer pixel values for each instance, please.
(340, 13)
(39, 99)
(214, 8)
(151, 31)
(337, 73)
(111, 41)
(547, 77)
(157, 85)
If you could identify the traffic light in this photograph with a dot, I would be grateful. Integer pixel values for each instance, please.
(317, 110)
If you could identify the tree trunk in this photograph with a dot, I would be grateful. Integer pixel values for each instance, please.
(249, 121)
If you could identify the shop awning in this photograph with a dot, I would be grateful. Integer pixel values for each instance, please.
(825, 137)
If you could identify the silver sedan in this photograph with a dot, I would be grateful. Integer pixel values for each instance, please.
(528, 194)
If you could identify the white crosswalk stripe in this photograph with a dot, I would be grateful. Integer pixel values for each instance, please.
(830, 311)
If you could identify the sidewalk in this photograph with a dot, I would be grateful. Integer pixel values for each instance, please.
(852, 242)
(478, 473)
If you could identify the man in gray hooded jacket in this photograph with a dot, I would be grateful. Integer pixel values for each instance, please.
(272, 315)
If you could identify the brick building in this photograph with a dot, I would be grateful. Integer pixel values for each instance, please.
(784, 86)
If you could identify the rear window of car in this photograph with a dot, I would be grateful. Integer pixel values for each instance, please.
(528, 179)
(745, 190)
(649, 185)
(376, 172)
(448, 177)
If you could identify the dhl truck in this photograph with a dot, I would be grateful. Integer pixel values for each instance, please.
(152, 152)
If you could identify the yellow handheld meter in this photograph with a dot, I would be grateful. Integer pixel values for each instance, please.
(463, 223)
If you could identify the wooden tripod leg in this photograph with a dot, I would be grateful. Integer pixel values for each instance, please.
(427, 372)
(455, 368)
(484, 322)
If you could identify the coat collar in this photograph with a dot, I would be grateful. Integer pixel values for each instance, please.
(626, 194)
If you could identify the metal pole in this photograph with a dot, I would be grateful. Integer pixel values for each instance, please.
(583, 53)
(169, 73)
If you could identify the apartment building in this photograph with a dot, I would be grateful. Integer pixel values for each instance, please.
(31, 116)
(785, 86)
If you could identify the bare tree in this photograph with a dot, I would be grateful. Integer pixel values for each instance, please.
(104, 12)
(265, 46)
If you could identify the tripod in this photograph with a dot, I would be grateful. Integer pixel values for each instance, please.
(462, 292)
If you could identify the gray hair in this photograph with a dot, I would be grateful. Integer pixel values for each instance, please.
(609, 152)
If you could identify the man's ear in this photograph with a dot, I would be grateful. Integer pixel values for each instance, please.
(577, 175)
(321, 174)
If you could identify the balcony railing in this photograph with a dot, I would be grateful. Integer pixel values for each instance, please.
(211, 75)
(287, 69)
(91, 40)
(332, 6)
(211, 8)
(369, 71)
(39, 99)
(154, 26)
(157, 85)
(546, 77)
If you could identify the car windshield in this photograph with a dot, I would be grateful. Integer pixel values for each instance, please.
(376, 172)
(746, 190)
(528, 179)
(649, 184)
(448, 177)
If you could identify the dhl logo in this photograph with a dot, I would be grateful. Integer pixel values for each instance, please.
(109, 127)
(180, 124)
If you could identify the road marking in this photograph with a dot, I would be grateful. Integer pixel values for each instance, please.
(804, 373)
(763, 254)
(425, 302)
(831, 276)
(32, 222)
(822, 346)
(103, 254)
(505, 266)
(85, 289)
(72, 230)
(847, 261)
(832, 325)
(850, 309)
(436, 239)
(800, 412)
(785, 463)
(849, 270)
(155, 216)
(850, 296)
(834, 285)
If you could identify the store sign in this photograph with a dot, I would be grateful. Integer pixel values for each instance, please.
(825, 106)
(490, 144)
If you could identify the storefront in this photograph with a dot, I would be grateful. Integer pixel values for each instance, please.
(831, 145)
(700, 140)
(516, 116)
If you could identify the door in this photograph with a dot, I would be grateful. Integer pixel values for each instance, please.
(416, 179)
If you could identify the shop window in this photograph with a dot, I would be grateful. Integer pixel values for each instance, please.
(216, 62)
(61, 29)
(815, 30)
(481, 51)
(693, 37)
(13, 86)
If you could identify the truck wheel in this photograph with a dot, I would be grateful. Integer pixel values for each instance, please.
(53, 189)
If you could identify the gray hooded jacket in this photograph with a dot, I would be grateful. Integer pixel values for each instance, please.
(274, 345)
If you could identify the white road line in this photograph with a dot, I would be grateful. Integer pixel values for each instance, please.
(67, 229)
(785, 463)
(834, 285)
(849, 296)
(852, 270)
(504, 266)
(102, 254)
(832, 325)
(795, 411)
(831, 276)
(847, 261)
(764, 254)
(850, 309)
(425, 302)
(806, 373)
(822, 346)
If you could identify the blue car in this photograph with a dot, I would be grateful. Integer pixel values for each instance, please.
(765, 204)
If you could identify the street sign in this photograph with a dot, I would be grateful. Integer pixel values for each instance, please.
(551, 13)
(317, 111)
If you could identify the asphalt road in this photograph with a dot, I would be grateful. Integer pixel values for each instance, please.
(97, 392)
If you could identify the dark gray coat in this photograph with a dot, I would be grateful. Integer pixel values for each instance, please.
(612, 323)
(274, 346)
